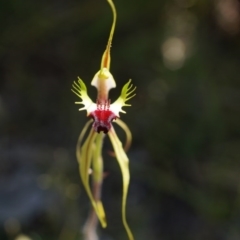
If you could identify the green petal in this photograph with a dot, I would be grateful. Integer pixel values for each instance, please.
(80, 89)
(126, 94)
(123, 162)
(85, 157)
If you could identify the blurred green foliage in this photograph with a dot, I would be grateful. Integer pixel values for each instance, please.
(183, 56)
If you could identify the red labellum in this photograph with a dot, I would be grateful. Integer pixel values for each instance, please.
(102, 117)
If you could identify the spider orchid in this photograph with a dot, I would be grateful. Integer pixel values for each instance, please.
(102, 114)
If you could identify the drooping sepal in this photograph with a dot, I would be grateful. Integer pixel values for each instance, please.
(123, 163)
(86, 155)
(128, 134)
(126, 94)
(80, 89)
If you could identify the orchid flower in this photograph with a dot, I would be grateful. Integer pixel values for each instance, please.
(103, 114)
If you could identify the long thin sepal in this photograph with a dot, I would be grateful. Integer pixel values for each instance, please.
(86, 156)
(90, 227)
(97, 159)
(128, 133)
(80, 138)
(123, 163)
(106, 58)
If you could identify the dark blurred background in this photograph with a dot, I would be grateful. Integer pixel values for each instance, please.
(184, 58)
